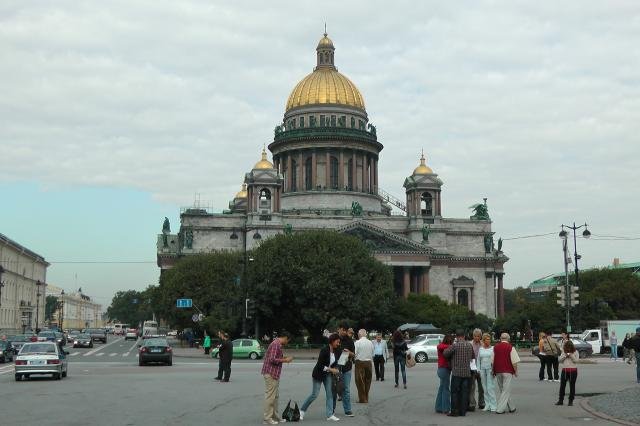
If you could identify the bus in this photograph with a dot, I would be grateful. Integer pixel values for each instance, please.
(120, 329)
(149, 329)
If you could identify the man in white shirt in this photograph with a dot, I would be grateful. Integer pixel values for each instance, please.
(380, 355)
(363, 366)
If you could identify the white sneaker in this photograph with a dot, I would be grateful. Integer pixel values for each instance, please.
(333, 419)
(301, 415)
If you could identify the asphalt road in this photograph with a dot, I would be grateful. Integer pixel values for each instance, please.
(107, 389)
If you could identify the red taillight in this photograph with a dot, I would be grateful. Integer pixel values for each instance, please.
(21, 362)
(34, 338)
(168, 349)
(143, 349)
(53, 361)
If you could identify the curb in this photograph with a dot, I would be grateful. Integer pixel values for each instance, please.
(584, 403)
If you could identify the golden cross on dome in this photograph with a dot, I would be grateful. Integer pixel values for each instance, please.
(325, 29)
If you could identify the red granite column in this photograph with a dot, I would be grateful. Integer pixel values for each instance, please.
(341, 183)
(406, 283)
(288, 186)
(500, 296)
(314, 170)
(327, 170)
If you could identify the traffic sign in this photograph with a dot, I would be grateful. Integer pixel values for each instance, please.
(195, 317)
(184, 303)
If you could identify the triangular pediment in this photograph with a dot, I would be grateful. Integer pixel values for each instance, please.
(382, 241)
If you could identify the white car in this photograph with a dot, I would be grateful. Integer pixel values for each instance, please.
(420, 338)
(131, 333)
(41, 358)
(425, 350)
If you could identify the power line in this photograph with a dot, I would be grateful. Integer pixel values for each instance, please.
(521, 237)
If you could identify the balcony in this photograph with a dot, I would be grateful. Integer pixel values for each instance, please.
(281, 134)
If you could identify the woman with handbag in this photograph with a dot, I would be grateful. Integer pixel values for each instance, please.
(399, 356)
(322, 374)
(443, 398)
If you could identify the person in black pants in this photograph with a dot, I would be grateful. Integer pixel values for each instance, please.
(459, 355)
(569, 359)
(225, 355)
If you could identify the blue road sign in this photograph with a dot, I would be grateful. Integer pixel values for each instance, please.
(184, 303)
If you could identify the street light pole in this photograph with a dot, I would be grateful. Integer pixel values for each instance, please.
(1, 283)
(563, 235)
(62, 311)
(38, 284)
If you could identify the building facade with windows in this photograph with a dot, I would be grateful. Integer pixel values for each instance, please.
(23, 277)
(75, 310)
(324, 175)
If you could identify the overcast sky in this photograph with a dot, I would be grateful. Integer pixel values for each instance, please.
(115, 114)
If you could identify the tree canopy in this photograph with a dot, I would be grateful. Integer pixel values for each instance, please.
(131, 306)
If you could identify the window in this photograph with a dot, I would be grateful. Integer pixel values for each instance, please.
(333, 121)
(426, 204)
(301, 122)
(236, 343)
(463, 297)
(322, 121)
(312, 121)
(247, 343)
(308, 175)
(265, 195)
(361, 124)
(342, 122)
(333, 172)
(353, 122)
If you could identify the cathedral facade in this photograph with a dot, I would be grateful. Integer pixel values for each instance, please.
(324, 175)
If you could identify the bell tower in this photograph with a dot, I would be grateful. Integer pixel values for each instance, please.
(264, 184)
(423, 189)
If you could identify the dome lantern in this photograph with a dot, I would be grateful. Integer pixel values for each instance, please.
(324, 53)
(243, 192)
(422, 169)
(263, 163)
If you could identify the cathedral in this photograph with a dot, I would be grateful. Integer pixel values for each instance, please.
(324, 175)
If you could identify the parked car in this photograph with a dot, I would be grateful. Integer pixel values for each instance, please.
(96, 334)
(131, 333)
(425, 350)
(244, 348)
(583, 348)
(155, 350)
(419, 339)
(82, 341)
(71, 335)
(7, 352)
(41, 358)
(18, 340)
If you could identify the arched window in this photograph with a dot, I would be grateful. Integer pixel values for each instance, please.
(463, 297)
(294, 175)
(333, 172)
(265, 195)
(265, 201)
(308, 174)
(426, 204)
(350, 176)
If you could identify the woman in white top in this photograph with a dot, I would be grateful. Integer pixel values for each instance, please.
(486, 373)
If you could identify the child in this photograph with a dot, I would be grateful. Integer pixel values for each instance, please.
(569, 360)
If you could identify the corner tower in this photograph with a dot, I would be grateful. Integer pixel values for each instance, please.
(325, 148)
(423, 190)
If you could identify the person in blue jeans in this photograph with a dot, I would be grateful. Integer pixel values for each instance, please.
(634, 343)
(443, 398)
(322, 374)
(346, 346)
(399, 356)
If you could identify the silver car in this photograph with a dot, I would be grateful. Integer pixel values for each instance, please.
(425, 350)
(41, 358)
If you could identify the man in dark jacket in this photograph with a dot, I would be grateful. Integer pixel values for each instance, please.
(225, 355)
(459, 355)
(346, 346)
(634, 343)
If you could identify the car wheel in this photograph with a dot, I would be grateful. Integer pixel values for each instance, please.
(253, 355)
(421, 357)
(170, 362)
(583, 354)
(64, 373)
(57, 376)
(91, 345)
(18, 377)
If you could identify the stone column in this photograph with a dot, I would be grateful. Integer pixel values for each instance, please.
(341, 171)
(372, 185)
(288, 185)
(300, 173)
(327, 170)
(439, 213)
(375, 175)
(415, 282)
(406, 282)
(354, 171)
(314, 170)
(364, 172)
(500, 295)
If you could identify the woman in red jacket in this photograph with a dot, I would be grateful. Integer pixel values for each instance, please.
(443, 400)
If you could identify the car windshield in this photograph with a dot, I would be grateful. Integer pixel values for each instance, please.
(82, 336)
(417, 339)
(156, 342)
(20, 339)
(47, 334)
(38, 348)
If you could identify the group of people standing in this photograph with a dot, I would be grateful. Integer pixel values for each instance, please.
(466, 367)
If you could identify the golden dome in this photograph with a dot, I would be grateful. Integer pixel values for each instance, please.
(243, 192)
(264, 163)
(325, 85)
(422, 169)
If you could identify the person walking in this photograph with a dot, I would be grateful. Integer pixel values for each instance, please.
(271, 371)
(626, 352)
(346, 346)
(399, 356)
(505, 368)
(443, 398)
(476, 382)
(460, 355)
(225, 355)
(552, 350)
(206, 345)
(485, 368)
(380, 355)
(569, 360)
(363, 366)
(613, 341)
(322, 374)
(634, 344)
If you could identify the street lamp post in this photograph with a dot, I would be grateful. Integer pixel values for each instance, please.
(38, 284)
(1, 283)
(62, 311)
(563, 234)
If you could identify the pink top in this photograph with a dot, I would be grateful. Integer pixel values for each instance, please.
(442, 361)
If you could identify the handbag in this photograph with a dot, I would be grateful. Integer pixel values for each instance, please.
(295, 417)
(287, 414)
(411, 361)
(337, 384)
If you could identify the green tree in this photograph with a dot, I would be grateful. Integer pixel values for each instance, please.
(50, 306)
(131, 306)
(309, 279)
(210, 280)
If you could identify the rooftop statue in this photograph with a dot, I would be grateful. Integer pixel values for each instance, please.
(426, 230)
(356, 209)
(166, 227)
(288, 229)
(372, 129)
(481, 211)
(499, 244)
(188, 239)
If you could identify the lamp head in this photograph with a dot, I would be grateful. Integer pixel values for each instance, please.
(563, 234)
(586, 233)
